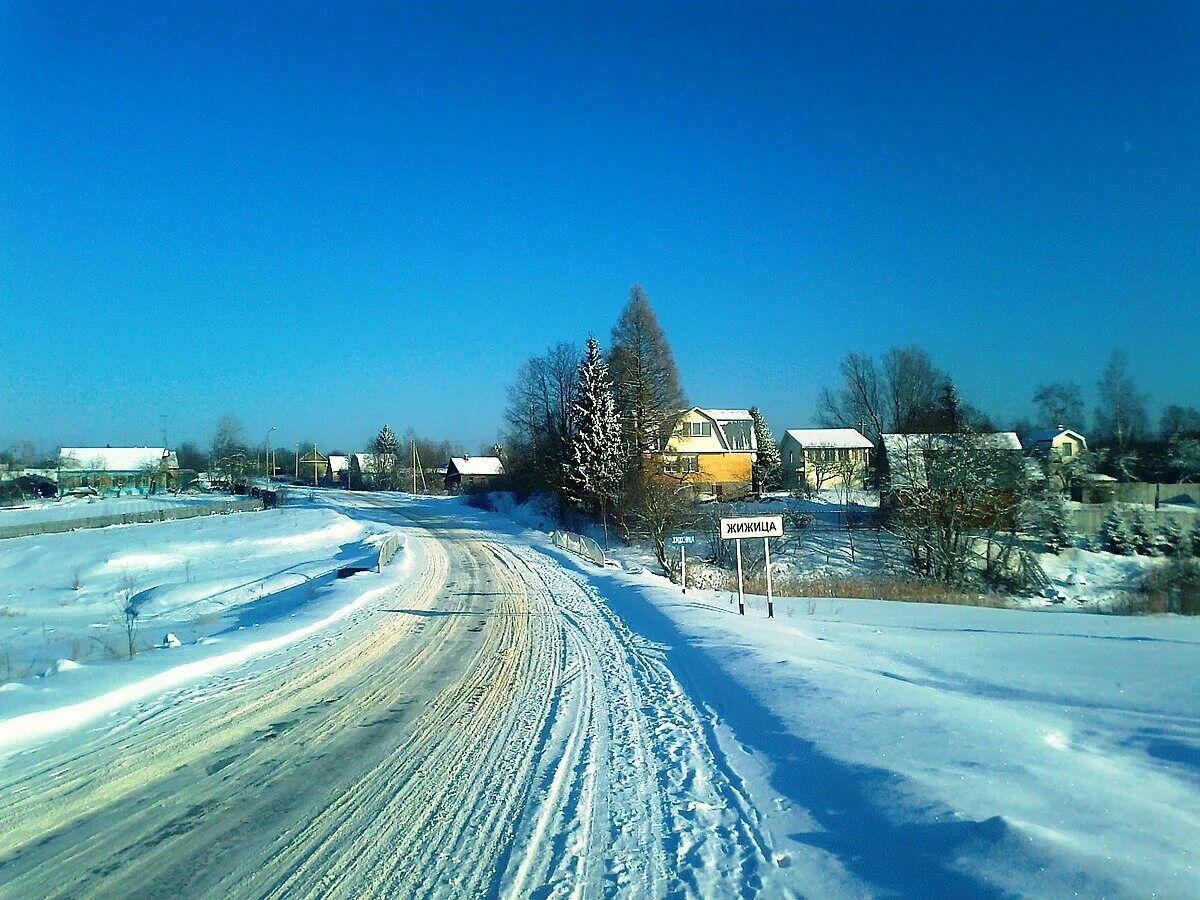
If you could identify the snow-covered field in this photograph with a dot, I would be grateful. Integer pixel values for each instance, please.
(950, 751)
(83, 507)
(553, 728)
(60, 593)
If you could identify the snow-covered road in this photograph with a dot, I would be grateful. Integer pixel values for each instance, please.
(490, 728)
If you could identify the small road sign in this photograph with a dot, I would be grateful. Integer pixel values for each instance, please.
(682, 538)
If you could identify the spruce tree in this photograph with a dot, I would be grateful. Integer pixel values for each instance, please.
(1055, 527)
(1192, 544)
(1141, 534)
(1114, 534)
(1170, 539)
(768, 466)
(385, 450)
(645, 381)
(593, 468)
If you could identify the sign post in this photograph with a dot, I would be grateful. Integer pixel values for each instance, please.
(765, 527)
(682, 539)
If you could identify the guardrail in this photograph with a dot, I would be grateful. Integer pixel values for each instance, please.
(163, 514)
(579, 545)
(391, 545)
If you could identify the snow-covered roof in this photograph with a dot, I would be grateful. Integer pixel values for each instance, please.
(477, 465)
(993, 440)
(115, 459)
(829, 437)
(337, 463)
(727, 415)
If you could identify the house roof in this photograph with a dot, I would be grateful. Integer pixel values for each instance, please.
(337, 463)
(476, 465)
(988, 440)
(848, 438)
(1047, 435)
(727, 415)
(115, 459)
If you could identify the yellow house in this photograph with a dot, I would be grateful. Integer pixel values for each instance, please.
(713, 449)
(1056, 448)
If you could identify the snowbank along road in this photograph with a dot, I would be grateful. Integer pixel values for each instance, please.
(489, 729)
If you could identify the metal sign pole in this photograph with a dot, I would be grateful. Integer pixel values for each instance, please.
(770, 598)
(683, 566)
(741, 593)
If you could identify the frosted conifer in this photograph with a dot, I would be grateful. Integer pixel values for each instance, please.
(593, 468)
(768, 465)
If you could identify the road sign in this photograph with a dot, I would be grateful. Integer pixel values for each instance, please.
(682, 538)
(751, 527)
(765, 527)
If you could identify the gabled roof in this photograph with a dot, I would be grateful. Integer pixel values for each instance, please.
(116, 459)
(727, 415)
(1048, 435)
(476, 465)
(840, 438)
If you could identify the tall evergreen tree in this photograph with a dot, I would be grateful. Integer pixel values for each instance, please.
(768, 466)
(645, 381)
(592, 472)
(385, 451)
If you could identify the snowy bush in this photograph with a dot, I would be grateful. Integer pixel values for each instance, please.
(1051, 522)
(1141, 534)
(1114, 535)
(1192, 544)
(1170, 539)
(1174, 587)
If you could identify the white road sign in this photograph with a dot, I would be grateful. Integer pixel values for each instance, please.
(751, 527)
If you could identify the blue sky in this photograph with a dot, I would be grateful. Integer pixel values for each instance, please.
(325, 217)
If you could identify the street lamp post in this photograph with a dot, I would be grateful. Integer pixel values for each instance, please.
(267, 457)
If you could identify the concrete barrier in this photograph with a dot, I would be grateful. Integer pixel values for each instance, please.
(579, 545)
(164, 514)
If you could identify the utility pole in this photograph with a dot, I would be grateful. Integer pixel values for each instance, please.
(267, 459)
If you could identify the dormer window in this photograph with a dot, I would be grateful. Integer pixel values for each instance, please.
(701, 429)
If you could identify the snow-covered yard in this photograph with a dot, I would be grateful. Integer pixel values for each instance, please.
(86, 507)
(935, 748)
(59, 593)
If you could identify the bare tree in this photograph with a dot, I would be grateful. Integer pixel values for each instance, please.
(896, 397)
(1060, 403)
(126, 613)
(654, 504)
(1121, 416)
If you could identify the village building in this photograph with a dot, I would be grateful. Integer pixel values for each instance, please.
(824, 457)
(918, 461)
(472, 473)
(313, 466)
(1055, 449)
(712, 449)
(121, 470)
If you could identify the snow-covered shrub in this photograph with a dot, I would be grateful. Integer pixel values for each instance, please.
(1174, 587)
(1170, 539)
(1050, 520)
(1193, 539)
(1114, 535)
(1141, 534)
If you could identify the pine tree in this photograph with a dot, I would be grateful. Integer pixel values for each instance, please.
(1141, 534)
(1170, 540)
(593, 468)
(768, 466)
(385, 455)
(1054, 524)
(1114, 534)
(645, 380)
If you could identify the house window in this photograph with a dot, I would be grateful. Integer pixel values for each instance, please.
(701, 429)
(1067, 448)
(689, 465)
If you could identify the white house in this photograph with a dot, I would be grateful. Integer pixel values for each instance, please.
(121, 469)
(824, 457)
